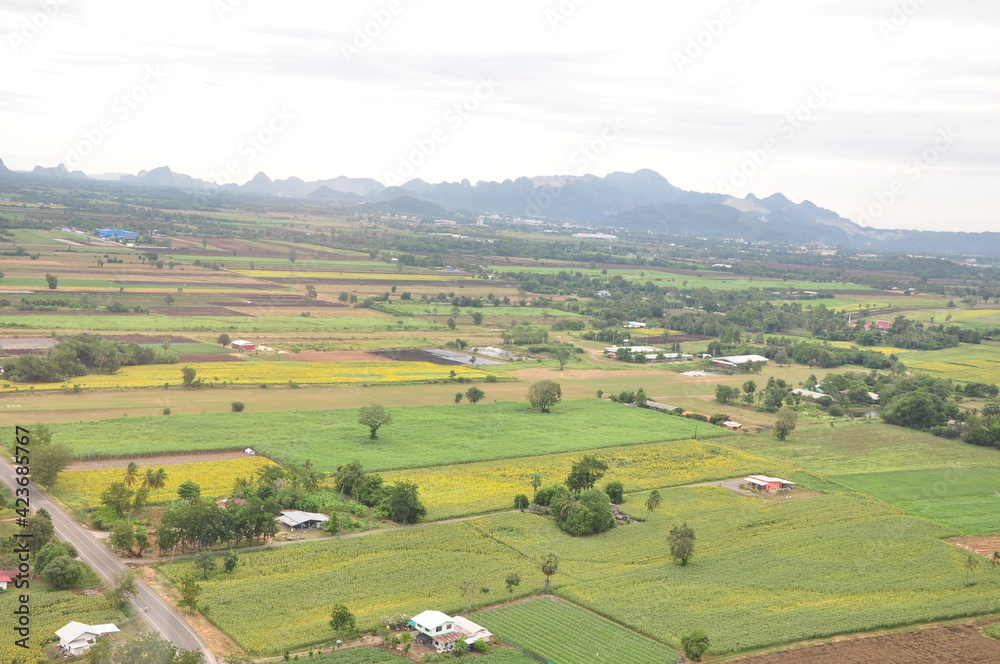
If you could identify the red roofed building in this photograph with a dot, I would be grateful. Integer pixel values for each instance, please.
(7, 576)
(883, 325)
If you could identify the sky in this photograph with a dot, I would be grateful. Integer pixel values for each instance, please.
(887, 112)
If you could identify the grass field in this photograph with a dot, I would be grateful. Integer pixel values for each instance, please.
(419, 435)
(82, 488)
(215, 325)
(561, 632)
(257, 373)
(473, 488)
(966, 499)
(864, 447)
(968, 362)
(764, 572)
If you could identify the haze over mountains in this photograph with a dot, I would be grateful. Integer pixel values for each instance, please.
(640, 201)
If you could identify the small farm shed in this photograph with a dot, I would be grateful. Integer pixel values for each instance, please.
(7, 576)
(298, 520)
(76, 638)
(243, 345)
(735, 361)
(734, 426)
(765, 483)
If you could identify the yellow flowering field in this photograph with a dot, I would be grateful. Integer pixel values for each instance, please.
(973, 370)
(473, 488)
(370, 276)
(253, 373)
(83, 488)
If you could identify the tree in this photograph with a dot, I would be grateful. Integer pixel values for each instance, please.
(544, 394)
(123, 537)
(190, 590)
(550, 565)
(681, 540)
(615, 491)
(342, 621)
(50, 552)
(640, 398)
(451, 323)
(374, 417)
(458, 397)
(513, 580)
(724, 394)
(64, 572)
(653, 501)
(585, 473)
(224, 339)
(141, 498)
(237, 406)
(205, 561)
(189, 491)
(916, 410)
(402, 502)
(311, 293)
(48, 461)
(131, 474)
(562, 357)
(695, 645)
(536, 482)
(118, 497)
(350, 479)
(40, 526)
(750, 387)
(521, 501)
(154, 479)
(122, 587)
(971, 565)
(230, 560)
(474, 394)
(477, 317)
(787, 418)
(187, 376)
(52, 280)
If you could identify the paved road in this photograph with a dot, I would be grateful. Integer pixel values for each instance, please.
(161, 617)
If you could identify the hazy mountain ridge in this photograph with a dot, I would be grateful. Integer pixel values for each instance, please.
(640, 201)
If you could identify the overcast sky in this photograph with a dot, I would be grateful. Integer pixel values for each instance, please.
(886, 112)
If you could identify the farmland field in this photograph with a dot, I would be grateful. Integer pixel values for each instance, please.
(567, 634)
(968, 362)
(82, 488)
(379, 656)
(419, 435)
(256, 373)
(764, 572)
(965, 499)
(473, 488)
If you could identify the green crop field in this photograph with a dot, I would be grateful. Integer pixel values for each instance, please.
(965, 499)
(567, 634)
(419, 435)
(764, 572)
(866, 446)
(378, 656)
(158, 323)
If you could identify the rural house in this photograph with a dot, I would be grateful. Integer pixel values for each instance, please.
(7, 576)
(298, 520)
(443, 632)
(76, 638)
(765, 483)
(243, 345)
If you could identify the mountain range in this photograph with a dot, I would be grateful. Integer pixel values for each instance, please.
(643, 201)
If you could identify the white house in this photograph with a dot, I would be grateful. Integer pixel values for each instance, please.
(443, 632)
(298, 520)
(634, 325)
(76, 638)
(7, 576)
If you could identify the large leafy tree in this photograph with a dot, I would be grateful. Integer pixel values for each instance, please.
(342, 621)
(374, 417)
(585, 473)
(402, 502)
(544, 394)
(681, 541)
(48, 461)
(917, 410)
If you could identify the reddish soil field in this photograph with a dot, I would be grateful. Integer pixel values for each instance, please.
(270, 300)
(194, 311)
(942, 644)
(159, 460)
(213, 284)
(335, 356)
(68, 312)
(984, 545)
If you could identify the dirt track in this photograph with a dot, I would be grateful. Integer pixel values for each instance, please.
(159, 460)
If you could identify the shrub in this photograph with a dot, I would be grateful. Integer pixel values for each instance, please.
(238, 406)
(615, 491)
(836, 411)
(166, 411)
(544, 495)
(718, 418)
(521, 501)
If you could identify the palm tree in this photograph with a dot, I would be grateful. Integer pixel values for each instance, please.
(994, 563)
(971, 563)
(550, 565)
(654, 501)
(154, 479)
(131, 474)
(536, 482)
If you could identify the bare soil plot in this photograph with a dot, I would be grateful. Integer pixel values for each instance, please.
(939, 644)
(152, 339)
(274, 300)
(159, 460)
(984, 545)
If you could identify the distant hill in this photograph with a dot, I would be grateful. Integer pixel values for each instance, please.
(643, 201)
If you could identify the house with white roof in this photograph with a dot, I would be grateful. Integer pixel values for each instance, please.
(76, 638)
(443, 632)
(299, 520)
(735, 361)
(765, 483)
